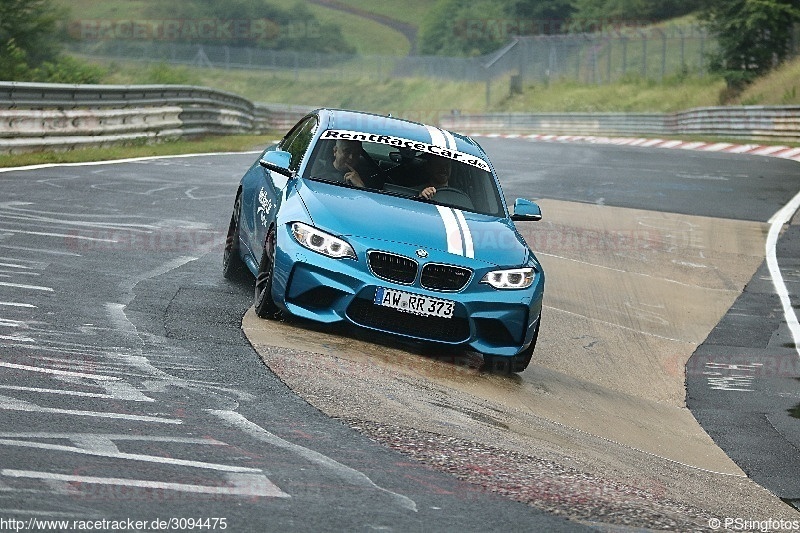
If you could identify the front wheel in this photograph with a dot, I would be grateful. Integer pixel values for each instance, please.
(517, 363)
(263, 302)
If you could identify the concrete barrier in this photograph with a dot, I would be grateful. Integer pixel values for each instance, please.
(762, 123)
(39, 116)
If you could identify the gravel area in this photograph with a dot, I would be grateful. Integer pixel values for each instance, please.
(503, 434)
(540, 483)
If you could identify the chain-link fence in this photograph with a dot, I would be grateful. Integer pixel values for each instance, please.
(651, 53)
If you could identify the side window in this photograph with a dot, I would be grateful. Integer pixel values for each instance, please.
(297, 141)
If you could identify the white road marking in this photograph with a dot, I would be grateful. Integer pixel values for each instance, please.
(98, 447)
(23, 286)
(776, 225)
(118, 161)
(16, 338)
(59, 235)
(242, 484)
(12, 273)
(612, 324)
(13, 404)
(18, 304)
(136, 397)
(28, 368)
(350, 475)
(40, 250)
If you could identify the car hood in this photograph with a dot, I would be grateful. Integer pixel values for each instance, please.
(376, 216)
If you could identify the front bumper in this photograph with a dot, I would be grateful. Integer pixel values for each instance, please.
(487, 320)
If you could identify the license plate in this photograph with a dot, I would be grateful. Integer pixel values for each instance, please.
(414, 303)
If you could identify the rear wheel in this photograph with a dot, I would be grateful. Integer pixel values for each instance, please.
(263, 302)
(232, 265)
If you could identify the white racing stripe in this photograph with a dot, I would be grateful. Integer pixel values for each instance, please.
(437, 137)
(454, 241)
(459, 237)
(443, 138)
(469, 248)
(451, 141)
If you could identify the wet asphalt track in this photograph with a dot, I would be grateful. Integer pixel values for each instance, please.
(128, 390)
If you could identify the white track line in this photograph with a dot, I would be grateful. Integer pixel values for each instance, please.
(776, 225)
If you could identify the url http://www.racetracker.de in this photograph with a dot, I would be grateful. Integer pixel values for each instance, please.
(127, 524)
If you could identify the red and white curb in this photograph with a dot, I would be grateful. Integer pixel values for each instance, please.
(776, 222)
(783, 152)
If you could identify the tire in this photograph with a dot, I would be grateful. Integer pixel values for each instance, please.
(233, 267)
(514, 364)
(263, 302)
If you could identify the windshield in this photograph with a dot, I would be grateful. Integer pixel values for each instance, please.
(406, 168)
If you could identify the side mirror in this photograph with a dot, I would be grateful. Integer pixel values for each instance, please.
(278, 161)
(526, 210)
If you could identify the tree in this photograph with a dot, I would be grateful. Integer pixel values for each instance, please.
(27, 29)
(274, 26)
(754, 36)
(30, 49)
(634, 12)
(463, 28)
(475, 27)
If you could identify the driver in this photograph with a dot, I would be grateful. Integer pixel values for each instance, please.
(345, 155)
(437, 170)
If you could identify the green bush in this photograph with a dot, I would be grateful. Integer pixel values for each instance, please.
(163, 74)
(67, 69)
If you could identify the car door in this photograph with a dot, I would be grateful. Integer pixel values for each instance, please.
(265, 191)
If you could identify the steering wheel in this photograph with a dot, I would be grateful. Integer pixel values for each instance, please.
(454, 197)
(376, 171)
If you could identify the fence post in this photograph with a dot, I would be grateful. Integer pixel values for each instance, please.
(702, 53)
(644, 54)
(624, 55)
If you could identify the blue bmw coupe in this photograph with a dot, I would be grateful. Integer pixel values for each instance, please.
(389, 225)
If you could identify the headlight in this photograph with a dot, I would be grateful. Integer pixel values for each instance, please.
(321, 242)
(517, 278)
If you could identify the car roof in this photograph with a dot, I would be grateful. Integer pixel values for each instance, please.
(342, 119)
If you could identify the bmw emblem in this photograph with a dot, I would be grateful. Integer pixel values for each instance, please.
(422, 253)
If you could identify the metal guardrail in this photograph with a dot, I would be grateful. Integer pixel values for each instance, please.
(558, 123)
(37, 116)
(771, 123)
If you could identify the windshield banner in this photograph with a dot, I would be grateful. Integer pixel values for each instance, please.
(399, 142)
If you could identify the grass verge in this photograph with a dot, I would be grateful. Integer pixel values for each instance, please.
(230, 143)
(227, 143)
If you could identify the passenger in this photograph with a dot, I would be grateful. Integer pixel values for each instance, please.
(345, 155)
(438, 176)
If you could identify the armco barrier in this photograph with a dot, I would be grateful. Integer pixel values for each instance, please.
(37, 116)
(771, 123)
